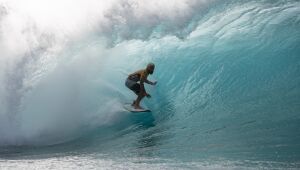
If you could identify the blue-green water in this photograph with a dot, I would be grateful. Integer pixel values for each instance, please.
(228, 92)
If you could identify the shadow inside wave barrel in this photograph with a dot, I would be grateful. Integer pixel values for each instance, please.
(145, 119)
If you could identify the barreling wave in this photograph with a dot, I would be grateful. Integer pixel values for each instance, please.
(227, 72)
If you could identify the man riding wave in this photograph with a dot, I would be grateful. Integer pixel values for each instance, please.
(135, 82)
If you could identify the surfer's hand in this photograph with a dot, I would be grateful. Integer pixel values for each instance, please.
(148, 95)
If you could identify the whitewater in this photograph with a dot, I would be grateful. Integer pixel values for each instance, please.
(227, 97)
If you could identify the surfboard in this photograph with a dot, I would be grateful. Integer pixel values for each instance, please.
(130, 108)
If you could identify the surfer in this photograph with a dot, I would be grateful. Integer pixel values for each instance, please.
(138, 88)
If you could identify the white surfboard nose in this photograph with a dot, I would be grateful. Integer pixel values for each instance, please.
(130, 108)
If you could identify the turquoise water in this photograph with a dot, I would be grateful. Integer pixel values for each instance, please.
(228, 92)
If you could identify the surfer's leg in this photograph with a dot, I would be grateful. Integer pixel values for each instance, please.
(136, 88)
(138, 100)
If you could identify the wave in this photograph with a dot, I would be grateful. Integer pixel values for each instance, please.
(227, 72)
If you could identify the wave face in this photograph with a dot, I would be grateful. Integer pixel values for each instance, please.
(228, 76)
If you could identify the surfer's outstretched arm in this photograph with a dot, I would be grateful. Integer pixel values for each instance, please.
(150, 82)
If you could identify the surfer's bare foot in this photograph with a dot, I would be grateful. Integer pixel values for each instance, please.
(133, 103)
(137, 107)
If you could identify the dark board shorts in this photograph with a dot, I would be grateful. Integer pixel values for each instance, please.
(134, 86)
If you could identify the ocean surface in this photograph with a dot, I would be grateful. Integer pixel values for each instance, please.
(228, 92)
